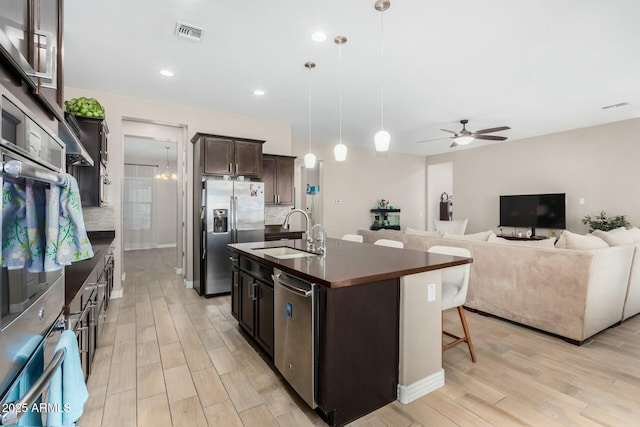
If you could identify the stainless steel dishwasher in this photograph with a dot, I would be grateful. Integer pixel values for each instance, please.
(294, 326)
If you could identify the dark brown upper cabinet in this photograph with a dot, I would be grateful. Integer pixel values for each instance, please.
(277, 174)
(222, 155)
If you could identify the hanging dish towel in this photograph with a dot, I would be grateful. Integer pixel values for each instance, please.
(35, 213)
(66, 236)
(28, 377)
(67, 389)
(15, 240)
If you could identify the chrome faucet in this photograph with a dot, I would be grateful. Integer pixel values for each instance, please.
(285, 224)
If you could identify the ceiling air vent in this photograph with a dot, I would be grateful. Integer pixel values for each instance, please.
(189, 32)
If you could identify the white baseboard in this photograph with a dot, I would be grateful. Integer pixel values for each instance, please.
(411, 392)
(188, 284)
(116, 294)
(166, 245)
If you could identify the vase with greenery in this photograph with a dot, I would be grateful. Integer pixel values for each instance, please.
(601, 222)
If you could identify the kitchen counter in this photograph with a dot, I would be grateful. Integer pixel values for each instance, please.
(377, 321)
(78, 272)
(348, 263)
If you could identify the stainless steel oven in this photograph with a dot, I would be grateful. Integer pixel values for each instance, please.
(31, 302)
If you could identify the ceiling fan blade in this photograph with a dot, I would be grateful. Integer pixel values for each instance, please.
(434, 139)
(453, 144)
(450, 131)
(490, 137)
(498, 129)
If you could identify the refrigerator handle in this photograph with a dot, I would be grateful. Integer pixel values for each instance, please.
(204, 241)
(232, 219)
(235, 217)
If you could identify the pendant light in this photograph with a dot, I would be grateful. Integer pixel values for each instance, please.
(340, 150)
(309, 158)
(167, 172)
(382, 138)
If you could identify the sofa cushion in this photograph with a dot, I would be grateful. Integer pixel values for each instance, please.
(415, 232)
(480, 237)
(544, 243)
(617, 237)
(569, 240)
(635, 234)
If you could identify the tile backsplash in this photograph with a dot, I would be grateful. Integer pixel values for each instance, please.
(274, 215)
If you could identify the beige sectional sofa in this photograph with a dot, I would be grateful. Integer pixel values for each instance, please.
(571, 293)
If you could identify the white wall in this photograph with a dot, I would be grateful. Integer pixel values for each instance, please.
(363, 179)
(277, 135)
(599, 164)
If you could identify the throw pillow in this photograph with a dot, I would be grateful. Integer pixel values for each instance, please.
(570, 240)
(483, 236)
(544, 243)
(415, 232)
(617, 237)
(635, 233)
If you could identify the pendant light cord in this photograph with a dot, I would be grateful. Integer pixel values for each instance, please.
(382, 68)
(340, 92)
(309, 110)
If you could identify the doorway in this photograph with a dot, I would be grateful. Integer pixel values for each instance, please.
(154, 188)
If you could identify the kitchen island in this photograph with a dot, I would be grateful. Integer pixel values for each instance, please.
(377, 320)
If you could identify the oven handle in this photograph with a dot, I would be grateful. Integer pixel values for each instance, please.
(12, 417)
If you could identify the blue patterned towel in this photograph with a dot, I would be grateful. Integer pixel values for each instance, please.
(66, 235)
(15, 240)
(35, 212)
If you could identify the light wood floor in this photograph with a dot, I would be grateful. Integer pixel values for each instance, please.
(168, 357)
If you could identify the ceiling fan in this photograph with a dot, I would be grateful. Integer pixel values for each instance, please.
(464, 136)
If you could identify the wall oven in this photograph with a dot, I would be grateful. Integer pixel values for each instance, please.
(31, 301)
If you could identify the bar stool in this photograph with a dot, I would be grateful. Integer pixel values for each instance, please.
(455, 283)
(353, 238)
(390, 243)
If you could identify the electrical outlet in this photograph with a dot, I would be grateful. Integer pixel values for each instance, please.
(431, 292)
(581, 200)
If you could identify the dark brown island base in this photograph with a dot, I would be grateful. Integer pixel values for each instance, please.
(352, 329)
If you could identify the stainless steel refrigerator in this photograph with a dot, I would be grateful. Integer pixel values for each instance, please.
(232, 212)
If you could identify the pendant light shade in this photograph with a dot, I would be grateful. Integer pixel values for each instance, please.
(309, 158)
(340, 150)
(382, 138)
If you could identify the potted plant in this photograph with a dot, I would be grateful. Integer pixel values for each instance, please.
(601, 222)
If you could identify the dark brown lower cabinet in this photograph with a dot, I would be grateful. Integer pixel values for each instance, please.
(235, 292)
(357, 349)
(253, 301)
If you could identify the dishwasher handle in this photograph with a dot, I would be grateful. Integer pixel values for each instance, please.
(291, 287)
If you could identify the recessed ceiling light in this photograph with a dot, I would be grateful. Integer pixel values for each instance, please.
(318, 36)
(258, 92)
(166, 73)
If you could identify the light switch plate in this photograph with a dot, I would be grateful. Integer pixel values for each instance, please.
(431, 292)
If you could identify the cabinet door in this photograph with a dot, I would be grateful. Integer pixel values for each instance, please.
(248, 158)
(285, 181)
(264, 325)
(218, 156)
(247, 297)
(269, 165)
(235, 293)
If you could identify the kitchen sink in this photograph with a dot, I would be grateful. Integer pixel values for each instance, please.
(284, 252)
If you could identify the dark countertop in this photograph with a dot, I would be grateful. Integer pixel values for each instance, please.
(78, 272)
(349, 263)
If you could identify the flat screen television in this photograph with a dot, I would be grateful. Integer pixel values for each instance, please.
(533, 210)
